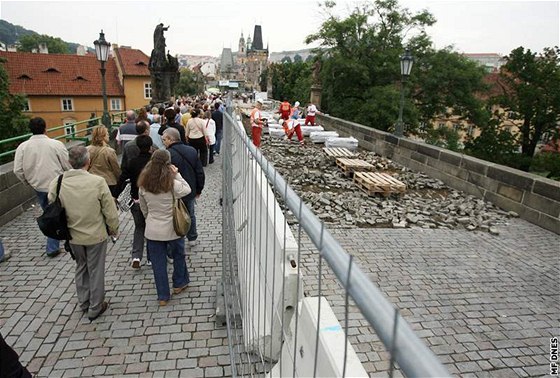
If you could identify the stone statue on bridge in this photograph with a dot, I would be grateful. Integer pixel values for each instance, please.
(164, 69)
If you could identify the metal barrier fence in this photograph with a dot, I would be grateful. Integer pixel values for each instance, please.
(279, 322)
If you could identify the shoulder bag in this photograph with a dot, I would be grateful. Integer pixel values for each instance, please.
(181, 216)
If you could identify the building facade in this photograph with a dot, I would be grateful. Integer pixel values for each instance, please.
(65, 89)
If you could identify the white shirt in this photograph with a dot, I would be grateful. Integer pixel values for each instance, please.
(311, 110)
(156, 138)
(39, 160)
(211, 131)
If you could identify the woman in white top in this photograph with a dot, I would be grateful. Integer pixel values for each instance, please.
(211, 132)
(155, 183)
(197, 135)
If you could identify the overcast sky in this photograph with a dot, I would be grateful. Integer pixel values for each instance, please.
(205, 27)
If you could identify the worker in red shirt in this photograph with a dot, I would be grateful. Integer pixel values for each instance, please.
(257, 123)
(284, 110)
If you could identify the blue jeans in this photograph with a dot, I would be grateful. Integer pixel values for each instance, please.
(158, 256)
(219, 134)
(53, 245)
(192, 234)
(1, 251)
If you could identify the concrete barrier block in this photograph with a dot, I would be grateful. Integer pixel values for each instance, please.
(408, 144)
(547, 188)
(542, 204)
(15, 196)
(391, 139)
(511, 176)
(482, 181)
(451, 169)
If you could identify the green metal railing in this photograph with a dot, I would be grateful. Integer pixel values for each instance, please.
(81, 135)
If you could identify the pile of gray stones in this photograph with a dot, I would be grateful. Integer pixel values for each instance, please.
(339, 202)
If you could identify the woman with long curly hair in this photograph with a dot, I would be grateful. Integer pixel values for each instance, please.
(156, 183)
(103, 159)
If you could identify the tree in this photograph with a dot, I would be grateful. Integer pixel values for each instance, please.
(286, 59)
(189, 83)
(13, 122)
(291, 81)
(32, 41)
(360, 60)
(531, 91)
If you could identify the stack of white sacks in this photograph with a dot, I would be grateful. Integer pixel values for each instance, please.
(321, 136)
(350, 143)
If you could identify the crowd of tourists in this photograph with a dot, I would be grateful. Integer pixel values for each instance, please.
(164, 152)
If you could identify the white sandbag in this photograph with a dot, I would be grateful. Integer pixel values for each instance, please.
(321, 136)
(350, 143)
(276, 133)
(307, 130)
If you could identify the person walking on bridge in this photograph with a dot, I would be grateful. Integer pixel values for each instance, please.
(127, 131)
(92, 217)
(37, 162)
(185, 158)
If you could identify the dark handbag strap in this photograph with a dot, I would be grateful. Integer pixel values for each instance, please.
(58, 186)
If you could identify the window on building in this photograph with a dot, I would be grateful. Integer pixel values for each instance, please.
(67, 105)
(116, 104)
(441, 125)
(69, 127)
(27, 106)
(147, 90)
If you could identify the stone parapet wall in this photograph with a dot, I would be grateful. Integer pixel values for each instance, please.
(535, 198)
(16, 196)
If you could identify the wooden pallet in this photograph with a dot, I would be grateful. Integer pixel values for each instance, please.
(349, 166)
(336, 152)
(374, 182)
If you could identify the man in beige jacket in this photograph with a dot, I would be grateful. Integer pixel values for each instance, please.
(37, 162)
(92, 216)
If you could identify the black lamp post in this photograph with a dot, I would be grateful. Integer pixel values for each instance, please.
(406, 67)
(102, 54)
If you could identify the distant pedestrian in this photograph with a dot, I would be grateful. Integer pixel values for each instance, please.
(158, 184)
(197, 135)
(211, 134)
(218, 117)
(92, 216)
(103, 159)
(154, 132)
(37, 162)
(127, 130)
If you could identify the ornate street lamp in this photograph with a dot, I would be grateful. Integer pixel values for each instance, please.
(406, 67)
(102, 54)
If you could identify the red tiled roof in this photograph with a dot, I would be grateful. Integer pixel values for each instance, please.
(59, 74)
(133, 61)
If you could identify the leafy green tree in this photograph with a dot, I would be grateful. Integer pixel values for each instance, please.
(360, 60)
(298, 58)
(31, 41)
(531, 91)
(291, 81)
(189, 83)
(13, 122)
(286, 59)
(494, 143)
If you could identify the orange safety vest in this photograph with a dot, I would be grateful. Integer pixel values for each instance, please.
(285, 107)
(256, 118)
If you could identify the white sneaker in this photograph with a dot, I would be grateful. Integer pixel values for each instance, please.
(148, 263)
(192, 243)
(136, 263)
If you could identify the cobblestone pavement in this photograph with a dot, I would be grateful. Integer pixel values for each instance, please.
(486, 305)
(40, 318)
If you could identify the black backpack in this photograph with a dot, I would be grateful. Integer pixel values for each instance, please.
(53, 222)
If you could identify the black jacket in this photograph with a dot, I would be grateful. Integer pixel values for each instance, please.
(185, 158)
(176, 126)
(132, 171)
(218, 117)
